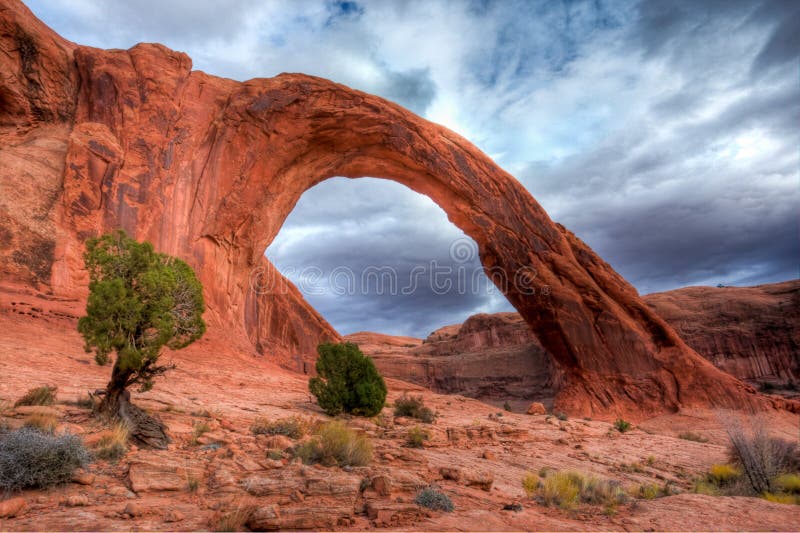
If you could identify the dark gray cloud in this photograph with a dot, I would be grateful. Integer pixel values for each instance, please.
(664, 133)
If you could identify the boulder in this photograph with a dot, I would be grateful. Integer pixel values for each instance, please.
(12, 507)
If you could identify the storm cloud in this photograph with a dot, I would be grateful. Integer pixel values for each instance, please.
(665, 134)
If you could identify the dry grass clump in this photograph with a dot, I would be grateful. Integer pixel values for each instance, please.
(568, 489)
(43, 421)
(294, 427)
(414, 407)
(416, 437)
(198, 430)
(694, 437)
(234, 520)
(114, 444)
(335, 444)
(45, 395)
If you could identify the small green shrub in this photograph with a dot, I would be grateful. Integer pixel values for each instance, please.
(347, 381)
(435, 499)
(293, 427)
(622, 425)
(416, 437)
(694, 437)
(413, 407)
(38, 396)
(335, 444)
(275, 455)
(30, 458)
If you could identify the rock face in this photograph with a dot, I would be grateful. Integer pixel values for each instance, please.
(208, 169)
(752, 333)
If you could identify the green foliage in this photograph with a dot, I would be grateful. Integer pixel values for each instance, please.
(335, 444)
(45, 395)
(416, 437)
(622, 425)
(30, 458)
(347, 381)
(414, 407)
(433, 498)
(139, 302)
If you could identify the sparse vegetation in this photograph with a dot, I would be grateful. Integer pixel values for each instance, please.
(45, 395)
(530, 483)
(694, 437)
(335, 444)
(507, 406)
(723, 474)
(85, 401)
(234, 520)
(114, 444)
(567, 489)
(414, 407)
(275, 455)
(434, 499)
(416, 437)
(43, 421)
(622, 425)
(30, 458)
(192, 483)
(561, 416)
(293, 427)
(347, 381)
(198, 430)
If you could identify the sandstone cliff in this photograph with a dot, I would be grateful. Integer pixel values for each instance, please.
(209, 168)
(752, 333)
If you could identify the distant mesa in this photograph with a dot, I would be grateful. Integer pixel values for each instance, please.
(209, 168)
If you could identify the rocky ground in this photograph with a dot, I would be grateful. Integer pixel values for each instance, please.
(477, 454)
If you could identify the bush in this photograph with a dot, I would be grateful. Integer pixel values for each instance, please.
(335, 444)
(114, 445)
(416, 437)
(39, 396)
(293, 427)
(694, 437)
(761, 458)
(414, 407)
(530, 483)
(622, 425)
(723, 474)
(433, 498)
(30, 458)
(566, 489)
(789, 483)
(198, 430)
(347, 381)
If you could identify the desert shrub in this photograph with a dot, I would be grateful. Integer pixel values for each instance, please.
(622, 425)
(42, 421)
(416, 437)
(293, 427)
(694, 437)
(723, 474)
(275, 455)
(435, 499)
(788, 483)
(781, 498)
(507, 406)
(234, 520)
(414, 407)
(198, 430)
(651, 491)
(335, 444)
(761, 458)
(347, 381)
(192, 483)
(530, 482)
(702, 486)
(561, 416)
(45, 395)
(113, 445)
(566, 489)
(30, 458)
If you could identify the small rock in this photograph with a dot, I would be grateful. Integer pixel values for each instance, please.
(382, 485)
(266, 518)
(133, 509)
(13, 507)
(277, 442)
(77, 500)
(81, 477)
(452, 473)
(536, 408)
(481, 480)
(388, 457)
(516, 507)
(173, 516)
(488, 455)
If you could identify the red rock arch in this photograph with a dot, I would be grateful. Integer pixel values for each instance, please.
(209, 168)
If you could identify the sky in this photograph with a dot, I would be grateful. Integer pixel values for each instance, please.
(666, 134)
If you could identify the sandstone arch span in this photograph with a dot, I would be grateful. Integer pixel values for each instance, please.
(209, 168)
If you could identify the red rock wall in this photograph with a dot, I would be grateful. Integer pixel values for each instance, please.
(208, 169)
